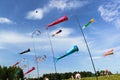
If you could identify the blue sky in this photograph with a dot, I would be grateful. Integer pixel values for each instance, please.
(18, 19)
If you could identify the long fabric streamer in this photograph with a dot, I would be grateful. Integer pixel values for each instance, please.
(74, 49)
(56, 33)
(62, 19)
(86, 25)
(30, 70)
(110, 52)
(28, 50)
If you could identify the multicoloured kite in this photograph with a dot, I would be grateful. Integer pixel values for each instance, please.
(36, 33)
(28, 50)
(30, 70)
(86, 25)
(74, 49)
(15, 64)
(62, 19)
(56, 33)
(41, 58)
(110, 52)
(24, 66)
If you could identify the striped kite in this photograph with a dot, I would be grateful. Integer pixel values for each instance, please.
(56, 33)
(36, 33)
(86, 25)
(41, 58)
(110, 52)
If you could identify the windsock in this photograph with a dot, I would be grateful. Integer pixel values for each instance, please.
(110, 52)
(36, 33)
(30, 70)
(74, 49)
(41, 58)
(15, 64)
(28, 50)
(62, 19)
(86, 25)
(56, 33)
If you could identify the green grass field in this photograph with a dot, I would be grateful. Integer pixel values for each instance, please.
(111, 77)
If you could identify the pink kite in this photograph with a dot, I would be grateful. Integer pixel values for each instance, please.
(64, 18)
(110, 52)
(30, 70)
(15, 64)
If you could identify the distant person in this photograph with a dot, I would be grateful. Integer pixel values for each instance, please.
(78, 76)
(46, 78)
(106, 72)
(72, 78)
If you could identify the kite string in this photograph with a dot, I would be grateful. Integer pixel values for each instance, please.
(52, 51)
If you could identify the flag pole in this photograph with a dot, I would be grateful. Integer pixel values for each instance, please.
(28, 67)
(87, 46)
(52, 51)
(36, 58)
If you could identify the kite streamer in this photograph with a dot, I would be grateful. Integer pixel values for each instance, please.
(86, 25)
(28, 50)
(30, 70)
(56, 33)
(24, 66)
(36, 33)
(62, 19)
(40, 59)
(15, 64)
(74, 49)
(110, 52)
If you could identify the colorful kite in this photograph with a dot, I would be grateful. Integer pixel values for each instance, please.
(74, 49)
(15, 64)
(110, 52)
(24, 66)
(36, 33)
(56, 33)
(30, 70)
(86, 25)
(40, 59)
(62, 19)
(28, 50)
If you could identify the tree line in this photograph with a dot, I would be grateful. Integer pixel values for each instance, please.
(67, 75)
(16, 73)
(11, 73)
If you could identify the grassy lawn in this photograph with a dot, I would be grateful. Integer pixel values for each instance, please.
(111, 77)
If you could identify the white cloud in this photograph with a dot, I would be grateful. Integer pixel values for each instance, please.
(42, 42)
(110, 12)
(12, 37)
(54, 4)
(5, 20)
(35, 14)
(66, 4)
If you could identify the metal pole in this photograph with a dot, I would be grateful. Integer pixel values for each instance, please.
(87, 46)
(52, 51)
(36, 60)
